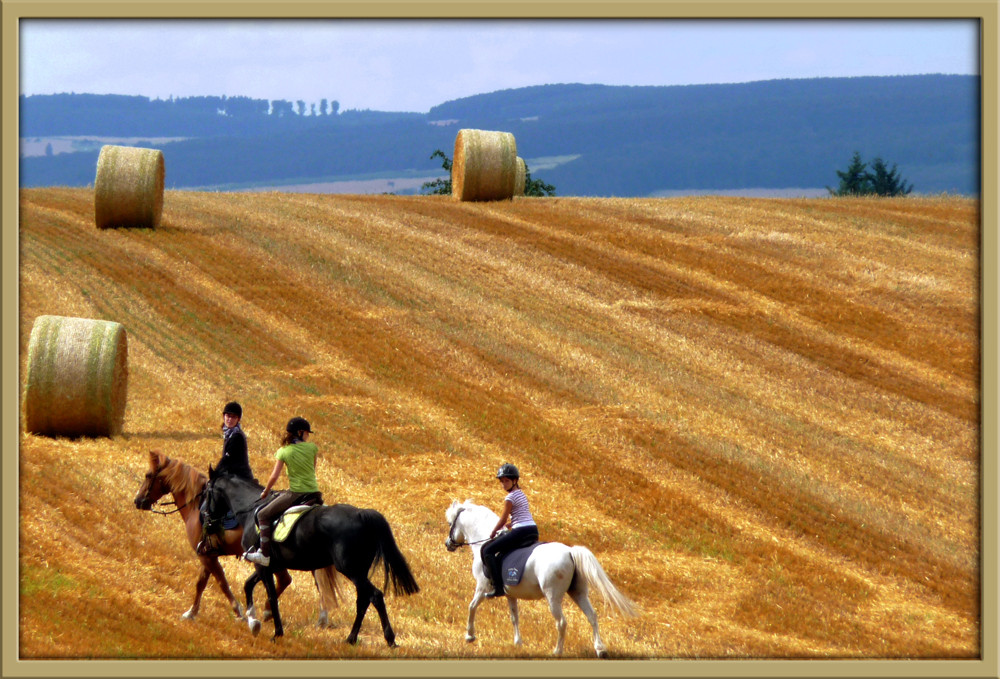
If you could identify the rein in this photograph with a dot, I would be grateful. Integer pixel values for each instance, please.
(172, 502)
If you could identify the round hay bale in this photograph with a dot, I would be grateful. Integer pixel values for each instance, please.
(128, 189)
(484, 166)
(76, 377)
(520, 177)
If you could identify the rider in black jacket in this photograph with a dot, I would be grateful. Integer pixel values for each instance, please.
(235, 459)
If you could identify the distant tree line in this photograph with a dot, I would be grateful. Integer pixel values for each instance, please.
(122, 115)
(611, 141)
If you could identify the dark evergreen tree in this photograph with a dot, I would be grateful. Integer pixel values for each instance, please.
(886, 182)
(854, 180)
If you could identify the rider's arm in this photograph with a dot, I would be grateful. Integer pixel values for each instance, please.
(275, 475)
(507, 507)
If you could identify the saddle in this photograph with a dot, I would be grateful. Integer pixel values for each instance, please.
(512, 565)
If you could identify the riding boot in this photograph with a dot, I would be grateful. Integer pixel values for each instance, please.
(496, 566)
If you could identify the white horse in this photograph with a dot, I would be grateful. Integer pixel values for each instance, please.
(552, 570)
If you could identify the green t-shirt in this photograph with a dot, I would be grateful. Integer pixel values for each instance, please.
(300, 462)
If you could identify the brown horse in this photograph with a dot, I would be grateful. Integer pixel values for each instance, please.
(187, 484)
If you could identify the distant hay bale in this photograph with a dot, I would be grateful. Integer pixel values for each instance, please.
(128, 189)
(519, 177)
(76, 377)
(484, 166)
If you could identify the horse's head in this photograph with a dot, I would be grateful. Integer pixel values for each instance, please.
(457, 531)
(154, 485)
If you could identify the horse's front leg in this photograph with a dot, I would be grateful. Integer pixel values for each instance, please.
(514, 618)
(199, 589)
(284, 580)
(220, 577)
(272, 597)
(248, 586)
(470, 628)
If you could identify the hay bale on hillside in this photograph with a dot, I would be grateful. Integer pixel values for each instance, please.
(484, 166)
(76, 377)
(128, 188)
(520, 177)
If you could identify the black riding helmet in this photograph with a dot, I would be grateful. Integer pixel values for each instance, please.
(297, 424)
(509, 471)
(233, 408)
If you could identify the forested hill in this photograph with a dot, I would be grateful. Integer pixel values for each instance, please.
(584, 139)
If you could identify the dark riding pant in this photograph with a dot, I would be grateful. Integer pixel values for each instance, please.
(494, 551)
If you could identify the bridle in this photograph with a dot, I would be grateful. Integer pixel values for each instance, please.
(450, 543)
(152, 505)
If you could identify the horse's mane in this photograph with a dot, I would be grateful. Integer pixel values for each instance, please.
(240, 485)
(182, 477)
(468, 505)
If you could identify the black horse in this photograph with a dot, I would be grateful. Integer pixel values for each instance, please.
(350, 539)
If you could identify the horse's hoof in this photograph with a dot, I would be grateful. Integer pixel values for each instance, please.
(602, 654)
(254, 624)
(469, 638)
(324, 620)
(352, 640)
(188, 615)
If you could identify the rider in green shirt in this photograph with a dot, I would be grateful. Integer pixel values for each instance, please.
(298, 456)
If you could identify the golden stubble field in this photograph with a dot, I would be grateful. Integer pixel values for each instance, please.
(761, 415)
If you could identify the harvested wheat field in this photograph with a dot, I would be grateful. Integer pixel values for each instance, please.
(762, 416)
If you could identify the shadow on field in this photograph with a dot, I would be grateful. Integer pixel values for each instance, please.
(170, 436)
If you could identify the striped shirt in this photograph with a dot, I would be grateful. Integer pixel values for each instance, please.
(520, 515)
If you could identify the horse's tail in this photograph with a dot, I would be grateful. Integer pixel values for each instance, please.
(590, 569)
(388, 553)
(328, 586)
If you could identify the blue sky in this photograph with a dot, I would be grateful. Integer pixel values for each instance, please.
(412, 65)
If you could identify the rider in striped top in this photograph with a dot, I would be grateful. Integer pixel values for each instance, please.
(517, 516)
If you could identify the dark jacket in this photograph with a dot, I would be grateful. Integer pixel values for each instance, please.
(234, 454)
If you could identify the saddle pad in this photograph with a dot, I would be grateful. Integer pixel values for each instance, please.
(284, 526)
(513, 564)
(229, 521)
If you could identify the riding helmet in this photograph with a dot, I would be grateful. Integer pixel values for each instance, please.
(509, 471)
(297, 424)
(233, 408)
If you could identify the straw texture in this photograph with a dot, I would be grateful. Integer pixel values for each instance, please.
(76, 377)
(520, 177)
(128, 188)
(484, 166)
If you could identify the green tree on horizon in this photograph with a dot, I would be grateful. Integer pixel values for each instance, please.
(442, 186)
(857, 180)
